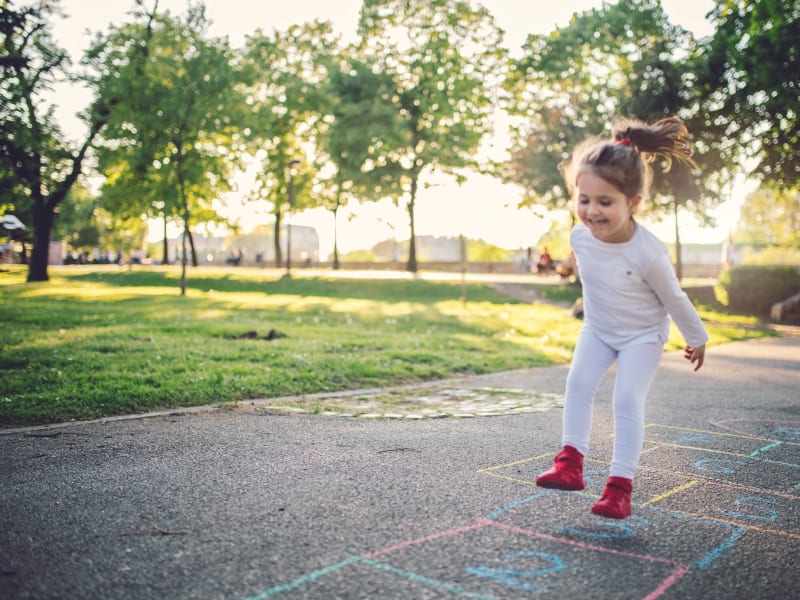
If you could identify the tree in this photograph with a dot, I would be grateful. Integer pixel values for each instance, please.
(444, 58)
(359, 109)
(749, 76)
(76, 221)
(38, 165)
(771, 216)
(624, 59)
(174, 142)
(286, 73)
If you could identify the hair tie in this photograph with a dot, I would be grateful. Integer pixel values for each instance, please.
(625, 141)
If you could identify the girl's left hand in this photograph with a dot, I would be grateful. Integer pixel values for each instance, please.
(695, 355)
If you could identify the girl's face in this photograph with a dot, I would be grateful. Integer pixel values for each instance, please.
(604, 209)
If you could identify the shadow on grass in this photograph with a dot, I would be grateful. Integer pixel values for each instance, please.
(372, 289)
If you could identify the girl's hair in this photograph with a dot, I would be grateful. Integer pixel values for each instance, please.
(625, 161)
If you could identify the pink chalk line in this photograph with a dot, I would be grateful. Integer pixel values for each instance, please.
(582, 545)
(427, 538)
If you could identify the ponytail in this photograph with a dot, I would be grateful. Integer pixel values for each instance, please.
(667, 137)
(626, 160)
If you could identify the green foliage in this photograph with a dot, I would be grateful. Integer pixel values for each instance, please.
(772, 256)
(703, 295)
(752, 289)
(38, 165)
(623, 59)
(30, 62)
(444, 58)
(770, 216)
(362, 255)
(286, 75)
(76, 224)
(557, 239)
(480, 251)
(173, 138)
(748, 77)
(363, 121)
(348, 143)
(416, 95)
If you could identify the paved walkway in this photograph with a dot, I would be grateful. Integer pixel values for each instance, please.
(255, 503)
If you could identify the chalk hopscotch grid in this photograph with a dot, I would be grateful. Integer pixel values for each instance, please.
(679, 569)
(692, 480)
(735, 530)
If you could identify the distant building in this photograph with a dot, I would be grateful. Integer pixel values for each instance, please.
(700, 260)
(438, 249)
(701, 254)
(256, 247)
(429, 249)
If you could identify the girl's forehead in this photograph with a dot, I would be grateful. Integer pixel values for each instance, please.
(588, 179)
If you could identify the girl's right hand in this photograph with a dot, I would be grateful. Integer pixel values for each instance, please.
(695, 355)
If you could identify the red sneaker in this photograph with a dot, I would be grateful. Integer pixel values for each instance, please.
(566, 474)
(615, 503)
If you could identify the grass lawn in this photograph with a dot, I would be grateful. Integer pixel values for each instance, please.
(100, 341)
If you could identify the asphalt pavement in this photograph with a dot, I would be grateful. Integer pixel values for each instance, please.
(257, 503)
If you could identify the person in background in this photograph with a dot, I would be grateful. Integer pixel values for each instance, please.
(730, 256)
(545, 262)
(630, 291)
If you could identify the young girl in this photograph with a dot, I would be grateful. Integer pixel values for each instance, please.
(629, 293)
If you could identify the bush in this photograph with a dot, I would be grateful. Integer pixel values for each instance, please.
(752, 289)
(703, 295)
(771, 255)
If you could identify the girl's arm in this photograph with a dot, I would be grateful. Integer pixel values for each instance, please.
(661, 278)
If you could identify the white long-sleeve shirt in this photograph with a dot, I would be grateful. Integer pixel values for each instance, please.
(630, 290)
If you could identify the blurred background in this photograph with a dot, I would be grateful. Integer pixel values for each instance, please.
(386, 132)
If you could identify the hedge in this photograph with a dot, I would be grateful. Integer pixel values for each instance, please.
(753, 289)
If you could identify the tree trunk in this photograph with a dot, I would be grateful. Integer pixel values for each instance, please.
(412, 243)
(183, 251)
(165, 260)
(336, 265)
(191, 245)
(277, 241)
(182, 190)
(42, 226)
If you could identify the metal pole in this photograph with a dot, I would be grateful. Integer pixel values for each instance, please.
(290, 193)
(289, 229)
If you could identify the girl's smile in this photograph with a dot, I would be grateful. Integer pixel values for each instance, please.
(604, 209)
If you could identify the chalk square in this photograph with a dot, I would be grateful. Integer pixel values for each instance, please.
(787, 453)
(703, 439)
(751, 508)
(500, 560)
(724, 444)
(722, 467)
(341, 579)
(648, 531)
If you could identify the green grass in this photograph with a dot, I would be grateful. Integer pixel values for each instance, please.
(103, 341)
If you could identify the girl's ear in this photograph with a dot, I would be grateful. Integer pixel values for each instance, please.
(633, 202)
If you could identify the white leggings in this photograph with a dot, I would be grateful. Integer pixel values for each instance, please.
(636, 368)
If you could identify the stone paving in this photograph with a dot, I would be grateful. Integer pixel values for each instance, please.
(415, 402)
(519, 391)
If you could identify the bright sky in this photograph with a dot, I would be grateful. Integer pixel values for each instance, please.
(481, 208)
